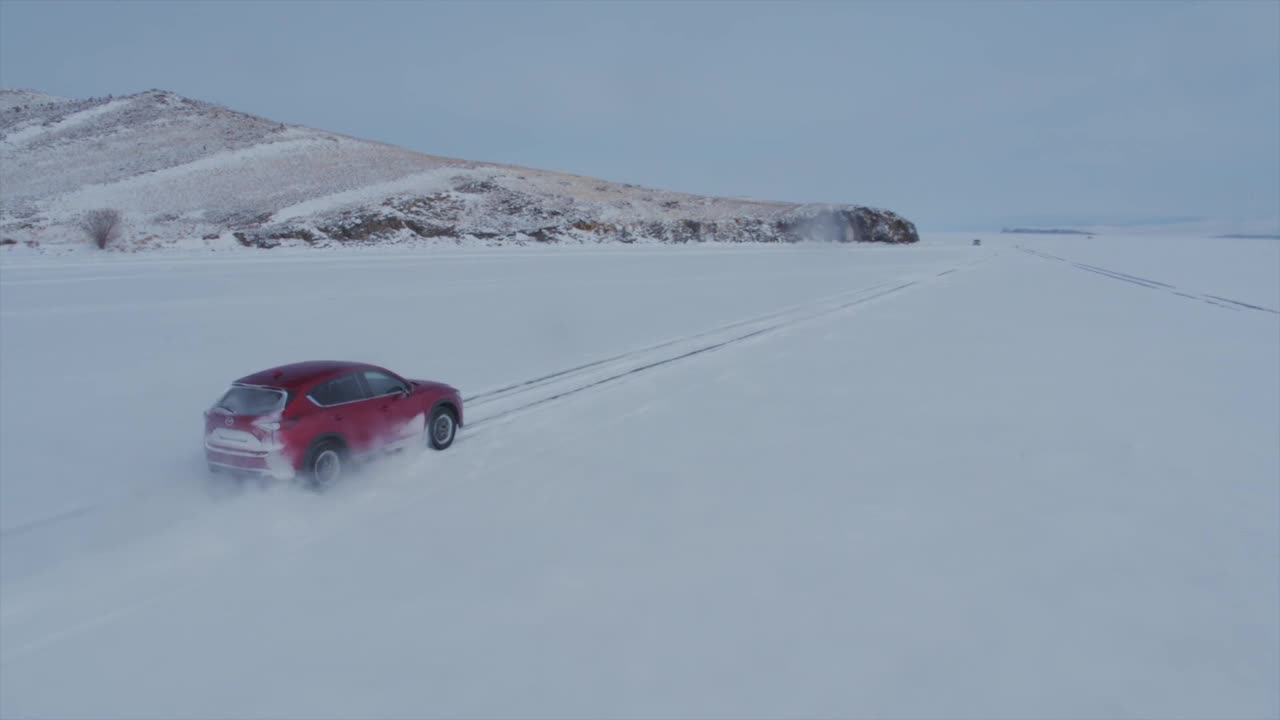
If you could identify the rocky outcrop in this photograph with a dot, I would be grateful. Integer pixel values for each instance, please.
(377, 225)
(491, 210)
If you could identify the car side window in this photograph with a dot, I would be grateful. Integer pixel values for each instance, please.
(338, 391)
(382, 384)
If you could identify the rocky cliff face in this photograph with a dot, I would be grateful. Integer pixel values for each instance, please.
(183, 171)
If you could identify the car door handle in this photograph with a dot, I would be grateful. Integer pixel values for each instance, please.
(337, 417)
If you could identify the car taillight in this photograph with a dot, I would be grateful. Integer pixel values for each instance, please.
(267, 431)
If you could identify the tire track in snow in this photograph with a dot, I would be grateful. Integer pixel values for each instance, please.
(1117, 276)
(802, 312)
(683, 355)
(54, 519)
(1214, 300)
(1243, 304)
(505, 391)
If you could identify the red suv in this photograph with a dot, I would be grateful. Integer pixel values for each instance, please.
(312, 419)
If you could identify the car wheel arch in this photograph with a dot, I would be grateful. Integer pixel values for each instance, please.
(324, 439)
(448, 405)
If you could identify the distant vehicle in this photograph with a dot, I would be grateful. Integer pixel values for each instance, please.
(977, 241)
(311, 420)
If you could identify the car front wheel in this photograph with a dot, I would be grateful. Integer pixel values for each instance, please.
(442, 426)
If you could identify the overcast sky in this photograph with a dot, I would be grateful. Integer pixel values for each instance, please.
(956, 114)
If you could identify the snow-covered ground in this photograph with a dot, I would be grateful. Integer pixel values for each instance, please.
(1037, 478)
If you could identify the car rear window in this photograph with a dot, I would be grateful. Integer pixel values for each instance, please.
(244, 400)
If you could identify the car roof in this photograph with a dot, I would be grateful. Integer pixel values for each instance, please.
(298, 375)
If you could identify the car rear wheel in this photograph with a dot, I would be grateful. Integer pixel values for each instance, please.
(442, 426)
(325, 465)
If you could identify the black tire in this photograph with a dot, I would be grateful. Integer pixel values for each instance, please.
(442, 427)
(325, 465)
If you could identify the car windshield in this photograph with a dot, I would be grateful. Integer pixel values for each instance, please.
(244, 400)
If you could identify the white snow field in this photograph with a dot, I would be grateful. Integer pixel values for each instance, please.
(1034, 479)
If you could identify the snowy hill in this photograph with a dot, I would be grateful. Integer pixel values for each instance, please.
(189, 173)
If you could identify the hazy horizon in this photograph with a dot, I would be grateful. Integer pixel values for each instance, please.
(957, 115)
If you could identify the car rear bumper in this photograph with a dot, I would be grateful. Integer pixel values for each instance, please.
(271, 465)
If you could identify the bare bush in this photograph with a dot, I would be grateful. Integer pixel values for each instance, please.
(102, 226)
